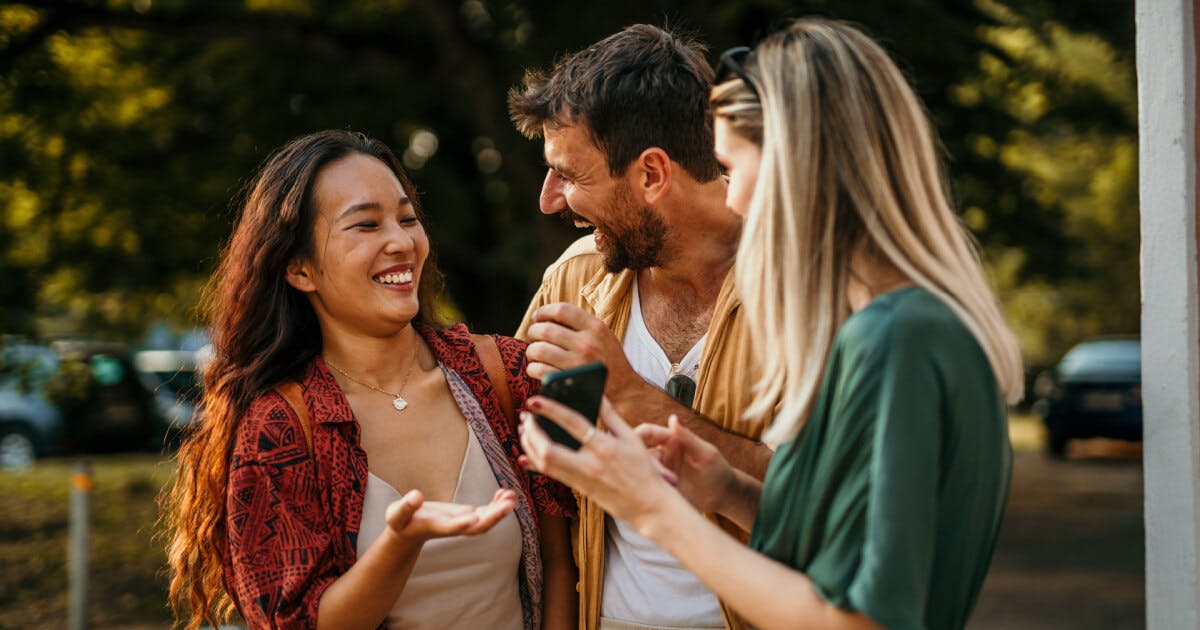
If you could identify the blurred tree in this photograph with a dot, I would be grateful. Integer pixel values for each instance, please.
(127, 126)
(1067, 265)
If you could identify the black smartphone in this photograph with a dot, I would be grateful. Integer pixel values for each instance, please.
(579, 388)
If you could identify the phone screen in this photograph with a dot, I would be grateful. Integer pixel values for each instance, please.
(579, 388)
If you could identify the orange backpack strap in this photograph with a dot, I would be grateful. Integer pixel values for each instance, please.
(294, 396)
(489, 355)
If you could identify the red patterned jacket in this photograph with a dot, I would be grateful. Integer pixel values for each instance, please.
(293, 519)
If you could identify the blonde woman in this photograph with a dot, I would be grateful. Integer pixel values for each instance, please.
(875, 328)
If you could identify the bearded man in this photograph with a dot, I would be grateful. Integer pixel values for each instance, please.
(628, 141)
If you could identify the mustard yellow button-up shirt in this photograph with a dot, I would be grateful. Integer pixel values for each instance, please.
(722, 390)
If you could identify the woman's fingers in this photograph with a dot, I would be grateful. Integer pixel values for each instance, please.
(453, 519)
(613, 420)
(400, 513)
(677, 429)
(412, 516)
(503, 503)
(653, 435)
(570, 420)
(534, 442)
(401, 510)
(549, 457)
(616, 470)
(689, 444)
(666, 473)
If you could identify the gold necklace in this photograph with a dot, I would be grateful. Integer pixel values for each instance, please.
(397, 400)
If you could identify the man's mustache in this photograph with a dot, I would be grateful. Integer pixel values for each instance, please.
(569, 216)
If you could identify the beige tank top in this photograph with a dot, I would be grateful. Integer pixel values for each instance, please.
(459, 582)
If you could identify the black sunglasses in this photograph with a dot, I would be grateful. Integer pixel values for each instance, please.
(682, 388)
(731, 65)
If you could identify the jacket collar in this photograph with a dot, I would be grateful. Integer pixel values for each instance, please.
(610, 296)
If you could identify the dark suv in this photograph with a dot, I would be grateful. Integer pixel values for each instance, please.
(1095, 391)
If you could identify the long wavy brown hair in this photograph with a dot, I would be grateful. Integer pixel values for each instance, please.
(263, 333)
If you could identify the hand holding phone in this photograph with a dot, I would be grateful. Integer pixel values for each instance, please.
(580, 388)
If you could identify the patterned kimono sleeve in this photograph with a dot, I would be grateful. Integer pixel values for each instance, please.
(549, 496)
(280, 542)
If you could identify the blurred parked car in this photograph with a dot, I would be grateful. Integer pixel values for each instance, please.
(172, 376)
(72, 396)
(29, 425)
(1095, 391)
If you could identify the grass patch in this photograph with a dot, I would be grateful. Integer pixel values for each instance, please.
(127, 583)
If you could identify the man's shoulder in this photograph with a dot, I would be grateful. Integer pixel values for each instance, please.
(580, 257)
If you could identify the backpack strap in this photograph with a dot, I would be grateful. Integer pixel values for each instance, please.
(292, 393)
(489, 355)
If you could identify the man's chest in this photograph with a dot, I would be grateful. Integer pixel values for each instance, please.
(676, 329)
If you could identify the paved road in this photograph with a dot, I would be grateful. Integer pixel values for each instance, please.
(1071, 553)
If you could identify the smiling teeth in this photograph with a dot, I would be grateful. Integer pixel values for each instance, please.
(394, 278)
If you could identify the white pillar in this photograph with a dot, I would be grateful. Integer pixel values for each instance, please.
(1166, 63)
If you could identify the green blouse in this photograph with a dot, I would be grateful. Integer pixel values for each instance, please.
(891, 497)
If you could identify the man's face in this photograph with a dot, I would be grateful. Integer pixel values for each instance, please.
(579, 187)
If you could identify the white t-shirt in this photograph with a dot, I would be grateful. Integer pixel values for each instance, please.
(643, 583)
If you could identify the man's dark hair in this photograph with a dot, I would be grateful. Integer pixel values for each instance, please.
(641, 87)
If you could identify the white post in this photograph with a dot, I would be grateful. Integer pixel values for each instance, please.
(81, 544)
(1166, 63)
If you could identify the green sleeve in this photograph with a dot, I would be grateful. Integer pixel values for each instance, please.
(891, 585)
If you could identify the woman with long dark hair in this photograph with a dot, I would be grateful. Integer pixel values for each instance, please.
(879, 337)
(354, 465)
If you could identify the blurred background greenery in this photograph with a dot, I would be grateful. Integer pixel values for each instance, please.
(126, 127)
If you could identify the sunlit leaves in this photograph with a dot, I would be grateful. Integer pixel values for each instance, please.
(123, 141)
(16, 21)
(1072, 98)
(123, 92)
(67, 113)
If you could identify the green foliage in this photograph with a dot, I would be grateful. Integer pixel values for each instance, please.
(1073, 145)
(126, 129)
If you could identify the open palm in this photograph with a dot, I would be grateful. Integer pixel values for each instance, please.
(414, 518)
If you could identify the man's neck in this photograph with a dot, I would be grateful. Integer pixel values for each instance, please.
(678, 296)
(703, 243)
(695, 286)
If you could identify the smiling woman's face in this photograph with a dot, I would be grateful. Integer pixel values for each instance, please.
(368, 249)
(739, 158)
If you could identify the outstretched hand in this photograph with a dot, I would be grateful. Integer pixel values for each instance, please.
(412, 517)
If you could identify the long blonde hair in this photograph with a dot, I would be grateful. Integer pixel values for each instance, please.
(849, 165)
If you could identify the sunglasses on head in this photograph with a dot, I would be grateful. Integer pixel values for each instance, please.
(731, 65)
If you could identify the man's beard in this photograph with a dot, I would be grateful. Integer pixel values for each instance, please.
(634, 236)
